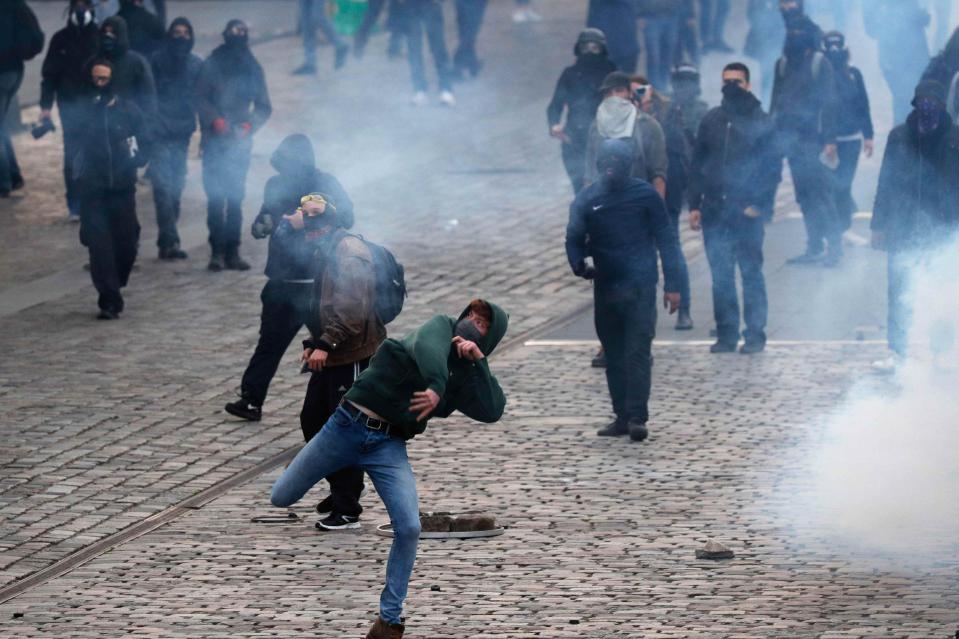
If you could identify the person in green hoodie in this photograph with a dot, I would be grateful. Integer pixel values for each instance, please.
(432, 372)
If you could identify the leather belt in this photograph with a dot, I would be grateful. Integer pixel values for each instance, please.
(370, 422)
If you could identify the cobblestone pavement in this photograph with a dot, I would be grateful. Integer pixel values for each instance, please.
(601, 532)
(105, 424)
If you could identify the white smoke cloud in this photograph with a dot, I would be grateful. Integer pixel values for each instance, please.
(887, 474)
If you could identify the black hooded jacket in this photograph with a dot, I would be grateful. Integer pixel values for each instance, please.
(804, 97)
(108, 157)
(20, 35)
(65, 64)
(232, 86)
(736, 162)
(297, 176)
(145, 29)
(918, 185)
(176, 77)
(132, 77)
(578, 90)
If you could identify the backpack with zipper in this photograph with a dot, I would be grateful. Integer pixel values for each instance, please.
(390, 280)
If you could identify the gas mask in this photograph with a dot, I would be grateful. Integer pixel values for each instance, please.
(81, 17)
(467, 329)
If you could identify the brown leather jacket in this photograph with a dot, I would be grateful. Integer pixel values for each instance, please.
(345, 322)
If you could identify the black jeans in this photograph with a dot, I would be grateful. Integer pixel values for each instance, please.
(323, 394)
(469, 20)
(286, 308)
(71, 120)
(168, 174)
(574, 160)
(110, 231)
(421, 16)
(684, 290)
(811, 180)
(225, 165)
(729, 244)
(626, 324)
(842, 179)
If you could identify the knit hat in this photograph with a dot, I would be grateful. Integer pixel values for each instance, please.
(930, 89)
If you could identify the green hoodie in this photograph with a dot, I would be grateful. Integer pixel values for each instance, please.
(425, 359)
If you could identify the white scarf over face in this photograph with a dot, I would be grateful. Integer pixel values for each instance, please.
(616, 118)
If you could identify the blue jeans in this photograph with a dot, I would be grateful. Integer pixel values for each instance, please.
(419, 17)
(344, 442)
(662, 36)
(729, 244)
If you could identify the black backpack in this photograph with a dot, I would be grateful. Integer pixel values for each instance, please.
(390, 281)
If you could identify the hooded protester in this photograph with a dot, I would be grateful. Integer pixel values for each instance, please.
(65, 80)
(145, 29)
(735, 171)
(132, 76)
(621, 221)
(617, 117)
(794, 17)
(577, 93)
(899, 29)
(764, 41)
(113, 145)
(678, 149)
(437, 369)
(20, 39)
(617, 19)
(854, 131)
(915, 208)
(232, 103)
(288, 294)
(175, 70)
(804, 109)
(686, 98)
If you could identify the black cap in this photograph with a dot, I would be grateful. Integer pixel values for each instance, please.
(685, 72)
(930, 89)
(591, 35)
(615, 80)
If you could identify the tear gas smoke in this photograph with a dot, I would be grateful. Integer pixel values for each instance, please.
(886, 476)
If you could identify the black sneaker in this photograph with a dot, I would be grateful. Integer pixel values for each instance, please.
(216, 263)
(638, 431)
(616, 429)
(305, 69)
(108, 314)
(723, 347)
(336, 521)
(684, 322)
(326, 506)
(244, 409)
(599, 361)
(750, 348)
(234, 262)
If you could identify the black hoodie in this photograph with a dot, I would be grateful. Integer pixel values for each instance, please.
(297, 176)
(132, 77)
(232, 86)
(578, 90)
(145, 29)
(64, 66)
(20, 35)
(176, 77)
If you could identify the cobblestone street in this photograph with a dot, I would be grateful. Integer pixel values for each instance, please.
(107, 424)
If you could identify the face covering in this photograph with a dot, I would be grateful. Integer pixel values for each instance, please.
(591, 59)
(614, 173)
(838, 58)
(789, 14)
(236, 41)
(930, 113)
(466, 329)
(181, 47)
(797, 42)
(735, 95)
(109, 43)
(81, 17)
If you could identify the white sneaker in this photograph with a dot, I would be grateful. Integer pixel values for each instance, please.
(887, 366)
(447, 98)
(420, 99)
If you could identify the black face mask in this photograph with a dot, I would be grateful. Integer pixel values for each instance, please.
(109, 43)
(591, 59)
(838, 58)
(467, 329)
(181, 47)
(234, 41)
(685, 90)
(789, 14)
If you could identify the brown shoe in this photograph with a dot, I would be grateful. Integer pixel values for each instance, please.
(384, 630)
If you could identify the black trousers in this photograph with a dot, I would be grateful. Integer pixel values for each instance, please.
(626, 324)
(842, 179)
(419, 17)
(226, 162)
(469, 20)
(286, 308)
(323, 394)
(168, 174)
(71, 120)
(574, 160)
(729, 245)
(811, 180)
(110, 231)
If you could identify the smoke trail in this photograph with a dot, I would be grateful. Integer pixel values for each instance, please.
(887, 477)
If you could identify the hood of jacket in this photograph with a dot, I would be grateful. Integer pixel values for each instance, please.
(177, 22)
(294, 156)
(119, 26)
(497, 328)
(616, 118)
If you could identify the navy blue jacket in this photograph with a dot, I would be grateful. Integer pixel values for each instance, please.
(624, 227)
